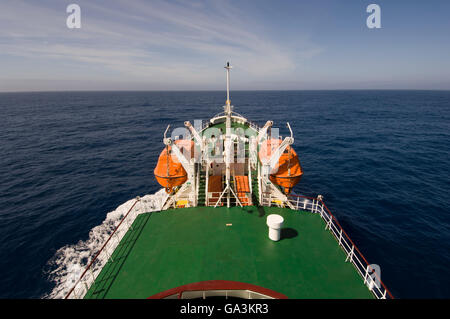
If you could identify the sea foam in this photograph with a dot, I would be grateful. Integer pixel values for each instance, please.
(70, 261)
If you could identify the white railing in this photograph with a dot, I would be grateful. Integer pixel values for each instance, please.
(205, 124)
(253, 125)
(271, 195)
(269, 199)
(186, 193)
(223, 114)
(93, 269)
(364, 269)
(213, 199)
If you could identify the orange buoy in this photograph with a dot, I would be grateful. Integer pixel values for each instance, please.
(288, 171)
(169, 171)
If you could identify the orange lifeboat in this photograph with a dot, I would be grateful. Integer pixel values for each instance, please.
(169, 171)
(287, 172)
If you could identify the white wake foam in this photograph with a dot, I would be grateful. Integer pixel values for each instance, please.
(70, 261)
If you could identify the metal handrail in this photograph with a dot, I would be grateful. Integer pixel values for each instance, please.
(88, 267)
(235, 114)
(213, 198)
(354, 255)
(253, 125)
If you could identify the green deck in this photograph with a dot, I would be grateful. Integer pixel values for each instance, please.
(175, 247)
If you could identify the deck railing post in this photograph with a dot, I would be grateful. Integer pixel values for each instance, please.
(367, 274)
(319, 199)
(340, 237)
(296, 206)
(328, 225)
(350, 255)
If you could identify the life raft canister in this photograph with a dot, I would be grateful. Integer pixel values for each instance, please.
(288, 171)
(169, 171)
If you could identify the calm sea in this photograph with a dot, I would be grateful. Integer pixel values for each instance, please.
(379, 158)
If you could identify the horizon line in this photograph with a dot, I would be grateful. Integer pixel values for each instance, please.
(206, 90)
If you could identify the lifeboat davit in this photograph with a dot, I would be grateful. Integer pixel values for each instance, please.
(288, 171)
(169, 171)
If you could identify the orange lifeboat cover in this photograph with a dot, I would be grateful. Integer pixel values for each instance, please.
(169, 171)
(288, 171)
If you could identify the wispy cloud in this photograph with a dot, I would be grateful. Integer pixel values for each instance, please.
(176, 42)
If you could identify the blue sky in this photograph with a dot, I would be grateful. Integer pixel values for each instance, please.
(183, 45)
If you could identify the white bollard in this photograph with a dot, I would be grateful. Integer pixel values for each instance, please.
(275, 222)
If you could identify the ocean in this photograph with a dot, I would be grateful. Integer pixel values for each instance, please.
(380, 159)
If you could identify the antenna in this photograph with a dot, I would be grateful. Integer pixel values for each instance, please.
(228, 67)
(228, 143)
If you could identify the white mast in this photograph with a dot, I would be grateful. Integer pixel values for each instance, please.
(228, 142)
(228, 102)
(228, 146)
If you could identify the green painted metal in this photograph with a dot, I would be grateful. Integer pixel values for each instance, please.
(234, 124)
(180, 246)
